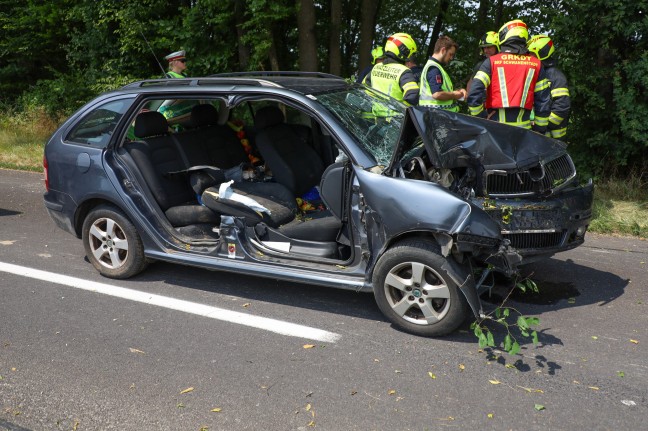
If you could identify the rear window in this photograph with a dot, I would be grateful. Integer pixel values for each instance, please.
(96, 128)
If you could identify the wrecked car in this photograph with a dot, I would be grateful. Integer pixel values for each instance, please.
(307, 178)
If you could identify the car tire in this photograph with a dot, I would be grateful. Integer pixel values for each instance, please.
(112, 243)
(414, 291)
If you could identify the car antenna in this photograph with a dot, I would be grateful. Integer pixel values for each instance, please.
(151, 49)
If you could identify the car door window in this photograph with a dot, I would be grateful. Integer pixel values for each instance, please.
(97, 127)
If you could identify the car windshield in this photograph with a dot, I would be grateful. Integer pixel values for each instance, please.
(374, 119)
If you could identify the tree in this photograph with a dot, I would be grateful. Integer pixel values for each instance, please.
(307, 38)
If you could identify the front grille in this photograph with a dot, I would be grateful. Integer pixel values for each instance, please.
(535, 240)
(556, 173)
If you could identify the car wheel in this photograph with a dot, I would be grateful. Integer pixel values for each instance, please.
(415, 293)
(112, 243)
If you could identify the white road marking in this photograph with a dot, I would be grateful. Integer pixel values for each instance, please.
(267, 324)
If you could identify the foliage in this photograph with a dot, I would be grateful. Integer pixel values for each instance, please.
(607, 66)
(61, 52)
(504, 316)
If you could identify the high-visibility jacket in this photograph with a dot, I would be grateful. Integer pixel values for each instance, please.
(394, 79)
(426, 98)
(172, 74)
(511, 86)
(560, 102)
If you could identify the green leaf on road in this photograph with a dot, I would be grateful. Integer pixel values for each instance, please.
(539, 407)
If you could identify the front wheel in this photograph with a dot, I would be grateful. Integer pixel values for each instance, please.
(415, 293)
(112, 243)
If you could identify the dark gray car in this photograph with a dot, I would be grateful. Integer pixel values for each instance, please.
(309, 178)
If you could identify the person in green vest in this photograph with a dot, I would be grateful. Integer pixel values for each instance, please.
(436, 86)
(392, 77)
(177, 65)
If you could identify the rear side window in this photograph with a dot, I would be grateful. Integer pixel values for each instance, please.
(96, 128)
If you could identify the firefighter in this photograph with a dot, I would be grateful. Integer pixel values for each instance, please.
(377, 55)
(177, 65)
(437, 90)
(512, 83)
(488, 45)
(391, 76)
(543, 48)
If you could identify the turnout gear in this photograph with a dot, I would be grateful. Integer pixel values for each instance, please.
(511, 84)
(426, 98)
(488, 39)
(400, 46)
(542, 46)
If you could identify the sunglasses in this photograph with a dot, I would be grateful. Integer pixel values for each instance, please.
(182, 60)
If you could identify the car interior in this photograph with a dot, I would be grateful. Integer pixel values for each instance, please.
(281, 177)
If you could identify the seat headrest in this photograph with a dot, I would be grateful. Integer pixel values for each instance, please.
(151, 123)
(204, 115)
(268, 116)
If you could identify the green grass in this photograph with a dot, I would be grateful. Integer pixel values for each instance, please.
(620, 205)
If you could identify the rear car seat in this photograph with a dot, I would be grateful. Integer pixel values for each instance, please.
(156, 155)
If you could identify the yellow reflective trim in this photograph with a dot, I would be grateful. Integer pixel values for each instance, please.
(410, 86)
(559, 92)
(542, 85)
(541, 121)
(476, 110)
(483, 77)
(523, 124)
(558, 133)
(501, 77)
(527, 86)
(555, 119)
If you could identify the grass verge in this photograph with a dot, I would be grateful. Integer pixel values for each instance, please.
(620, 206)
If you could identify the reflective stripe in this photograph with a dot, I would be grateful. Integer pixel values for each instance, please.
(557, 133)
(483, 77)
(541, 121)
(410, 86)
(555, 119)
(476, 110)
(542, 85)
(559, 92)
(501, 76)
(527, 86)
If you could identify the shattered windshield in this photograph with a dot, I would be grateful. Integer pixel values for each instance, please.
(374, 119)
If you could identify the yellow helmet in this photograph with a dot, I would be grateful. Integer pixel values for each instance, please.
(377, 53)
(488, 39)
(515, 28)
(541, 45)
(400, 45)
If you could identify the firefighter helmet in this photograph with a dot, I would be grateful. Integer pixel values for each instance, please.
(401, 46)
(515, 28)
(542, 46)
(377, 53)
(488, 39)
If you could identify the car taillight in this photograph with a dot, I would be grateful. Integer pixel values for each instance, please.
(46, 173)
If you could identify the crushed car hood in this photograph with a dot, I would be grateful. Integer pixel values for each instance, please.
(456, 140)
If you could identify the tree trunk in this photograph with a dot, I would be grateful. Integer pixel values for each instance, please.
(438, 23)
(335, 49)
(482, 23)
(243, 49)
(307, 40)
(499, 12)
(369, 12)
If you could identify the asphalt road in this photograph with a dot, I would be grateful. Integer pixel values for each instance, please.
(71, 359)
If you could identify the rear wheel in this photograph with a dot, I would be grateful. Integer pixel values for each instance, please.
(112, 243)
(415, 293)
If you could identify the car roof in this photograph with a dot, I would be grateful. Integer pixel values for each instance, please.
(300, 82)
